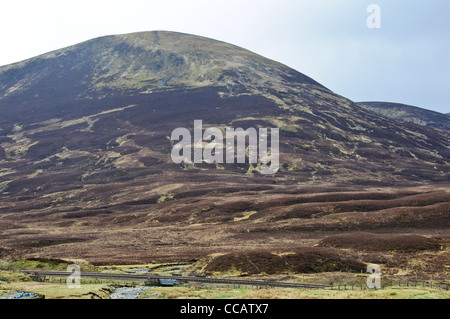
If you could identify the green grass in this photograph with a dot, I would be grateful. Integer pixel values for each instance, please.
(9, 276)
(291, 293)
(60, 290)
(193, 293)
(11, 281)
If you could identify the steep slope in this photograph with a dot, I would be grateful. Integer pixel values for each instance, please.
(85, 167)
(410, 113)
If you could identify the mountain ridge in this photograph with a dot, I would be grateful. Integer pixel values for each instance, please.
(409, 113)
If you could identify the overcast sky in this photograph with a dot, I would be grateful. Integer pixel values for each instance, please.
(407, 60)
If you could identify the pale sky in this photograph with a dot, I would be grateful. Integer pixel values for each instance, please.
(405, 61)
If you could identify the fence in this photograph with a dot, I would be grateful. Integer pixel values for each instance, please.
(411, 282)
(387, 282)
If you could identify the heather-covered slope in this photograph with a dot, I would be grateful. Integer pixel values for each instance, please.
(85, 154)
(410, 113)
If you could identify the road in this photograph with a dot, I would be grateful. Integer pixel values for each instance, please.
(146, 277)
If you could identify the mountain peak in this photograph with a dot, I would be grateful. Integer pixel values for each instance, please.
(148, 61)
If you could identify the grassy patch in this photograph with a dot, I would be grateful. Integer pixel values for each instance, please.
(291, 293)
(246, 215)
(193, 293)
(60, 290)
(12, 281)
(9, 276)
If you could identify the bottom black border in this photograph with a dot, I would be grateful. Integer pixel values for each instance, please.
(226, 308)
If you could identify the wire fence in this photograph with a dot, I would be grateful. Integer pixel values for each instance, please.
(361, 284)
(420, 283)
(389, 282)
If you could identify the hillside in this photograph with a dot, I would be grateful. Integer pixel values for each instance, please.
(85, 167)
(410, 113)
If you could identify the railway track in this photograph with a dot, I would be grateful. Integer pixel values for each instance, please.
(147, 277)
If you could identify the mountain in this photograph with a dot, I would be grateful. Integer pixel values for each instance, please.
(85, 166)
(410, 113)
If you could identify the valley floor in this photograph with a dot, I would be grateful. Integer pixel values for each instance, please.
(104, 291)
(345, 286)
